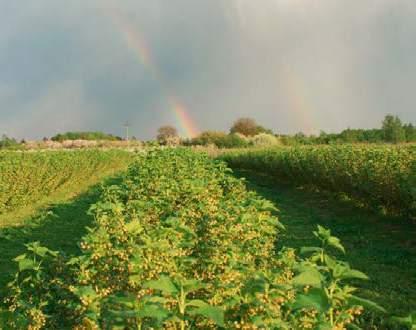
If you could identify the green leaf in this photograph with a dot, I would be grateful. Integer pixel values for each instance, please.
(73, 261)
(25, 264)
(309, 249)
(339, 269)
(330, 262)
(315, 298)
(192, 285)
(409, 320)
(197, 303)
(126, 301)
(158, 300)
(85, 291)
(335, 243)
(213, 313)
(353, 273)
(367, 304)
(154, 312)
(324, 326)
(135, 279)
(268, 206)
(163, 284)
(322, 233)
(310, 277)
(21, 257)
(41, 251)
(134, 227)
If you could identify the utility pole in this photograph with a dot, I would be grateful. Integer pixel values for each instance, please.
(126, 125)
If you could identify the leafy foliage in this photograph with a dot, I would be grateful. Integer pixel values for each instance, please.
(264, 140)
(219, 140)
(181, 244)
(167, 135)
(9, 143)
(393, 130)
(27, 176)
(95, 136)
(378, 176)
(248, 127)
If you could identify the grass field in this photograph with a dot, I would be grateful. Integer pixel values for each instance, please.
(381, 247)
(384, 248)
(58, 222)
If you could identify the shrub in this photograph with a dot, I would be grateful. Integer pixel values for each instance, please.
(233, 141)
(264, 140)
(168, 135)
(248, 127)
(85, 136)
(182, 244)
(28, 176)
(378, 176)
(209, 137)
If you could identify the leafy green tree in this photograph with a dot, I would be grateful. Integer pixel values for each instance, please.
(209, 137)
(245, 126)
(410, 132)
(8, 143)
(374, 135)
(167, 135)
(248, 127)
(393, 130)
(84, 136)
(233, 141)
(263, 130)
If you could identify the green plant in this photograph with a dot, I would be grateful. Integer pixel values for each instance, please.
(190, 249)
(381, 177)
(29, 176)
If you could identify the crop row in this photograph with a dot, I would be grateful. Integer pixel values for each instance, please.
(26, 177)
(378, 176)
(181, 244)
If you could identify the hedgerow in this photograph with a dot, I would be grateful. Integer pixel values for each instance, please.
(26, 177)
(382, 177)
(181, 244)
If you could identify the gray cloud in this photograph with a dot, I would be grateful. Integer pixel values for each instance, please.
(292, 64)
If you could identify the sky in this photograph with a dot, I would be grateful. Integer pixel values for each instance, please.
(293, 65)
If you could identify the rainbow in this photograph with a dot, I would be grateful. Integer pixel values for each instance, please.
(136, 42)
(298, 101)
(184, 120)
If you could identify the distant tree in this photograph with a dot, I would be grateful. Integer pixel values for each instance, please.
(410, 132)
(8, 143)
(393, 130)
(264, 140)
(262, 130)
(374, 135)
(323, 138)
(92, 136)
(245, 126)
(167, 135)
(233, 141)
(351, 135)
(248, 127)
(209, 137)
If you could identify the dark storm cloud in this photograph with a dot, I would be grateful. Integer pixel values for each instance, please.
(294, 65)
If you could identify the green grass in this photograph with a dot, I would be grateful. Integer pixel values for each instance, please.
(383, 248)
(58, 224)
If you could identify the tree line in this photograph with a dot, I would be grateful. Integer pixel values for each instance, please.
(246, 131)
